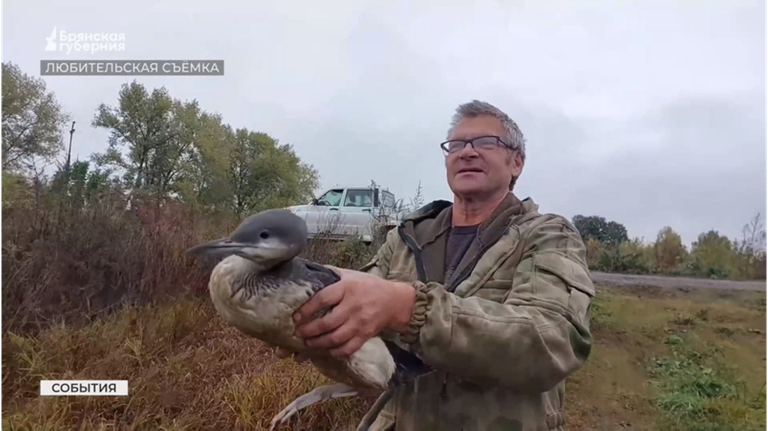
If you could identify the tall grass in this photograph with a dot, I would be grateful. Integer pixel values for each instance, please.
(71, 264)
(104, 289)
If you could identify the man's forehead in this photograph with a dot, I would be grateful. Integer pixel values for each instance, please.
(473, 127)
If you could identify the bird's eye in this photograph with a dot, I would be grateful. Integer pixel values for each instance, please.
(264, 234)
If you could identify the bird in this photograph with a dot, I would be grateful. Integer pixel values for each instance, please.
(261, 281)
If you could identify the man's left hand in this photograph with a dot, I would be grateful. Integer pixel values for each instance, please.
(363, 305)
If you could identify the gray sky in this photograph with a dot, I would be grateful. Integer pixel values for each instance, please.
(647, 113)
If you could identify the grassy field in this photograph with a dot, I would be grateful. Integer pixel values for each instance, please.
(662, 360)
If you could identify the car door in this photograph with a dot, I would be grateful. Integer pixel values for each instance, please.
(323, 214)
(356, 211)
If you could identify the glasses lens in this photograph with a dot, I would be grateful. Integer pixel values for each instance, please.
(486, 143)
(453, 146)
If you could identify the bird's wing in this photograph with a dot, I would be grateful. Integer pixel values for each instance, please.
(408, 366)
(320, 276)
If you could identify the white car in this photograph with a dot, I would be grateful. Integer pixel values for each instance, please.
(344, 212)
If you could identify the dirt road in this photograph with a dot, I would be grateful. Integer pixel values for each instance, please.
(674, 282)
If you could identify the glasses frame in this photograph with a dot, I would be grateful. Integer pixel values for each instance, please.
(443, 145)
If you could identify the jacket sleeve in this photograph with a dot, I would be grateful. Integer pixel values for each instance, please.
(531, 341)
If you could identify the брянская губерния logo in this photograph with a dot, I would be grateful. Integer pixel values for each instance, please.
(62, 41)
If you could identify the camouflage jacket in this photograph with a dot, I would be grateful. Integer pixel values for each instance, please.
(503, 333)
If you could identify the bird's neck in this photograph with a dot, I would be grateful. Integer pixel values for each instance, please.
(268, 267)
(249, 265)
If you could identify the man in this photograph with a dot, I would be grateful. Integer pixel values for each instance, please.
(491, 293)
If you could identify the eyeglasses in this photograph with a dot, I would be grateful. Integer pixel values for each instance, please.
(479, 143)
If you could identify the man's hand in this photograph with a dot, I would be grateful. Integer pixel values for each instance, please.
(363, 305)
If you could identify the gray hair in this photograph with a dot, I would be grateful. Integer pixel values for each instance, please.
(513, 136)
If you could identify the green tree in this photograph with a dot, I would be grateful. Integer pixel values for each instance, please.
(32, 120)
(156, 132)
(203, 180)
(174, 149)
(713, 255)
(82, 184)
(264, 174)
(601, 230)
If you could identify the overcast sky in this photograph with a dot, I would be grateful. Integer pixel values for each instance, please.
(647, 113)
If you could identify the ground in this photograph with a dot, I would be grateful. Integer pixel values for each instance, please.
(663, 359)
(684, 283)
(673, 360)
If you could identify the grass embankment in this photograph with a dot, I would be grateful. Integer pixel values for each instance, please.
(670, 360)
(661, 360)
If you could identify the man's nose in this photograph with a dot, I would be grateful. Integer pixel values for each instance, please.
(468, 152)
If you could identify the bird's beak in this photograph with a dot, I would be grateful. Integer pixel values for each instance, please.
(221, 246)
(265, 253)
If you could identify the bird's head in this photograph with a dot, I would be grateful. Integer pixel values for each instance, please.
(268, 239)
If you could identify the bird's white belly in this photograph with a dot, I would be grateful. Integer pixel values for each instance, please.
(268, 317)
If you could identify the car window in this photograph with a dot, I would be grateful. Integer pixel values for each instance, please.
(359, 198)
(331, 199)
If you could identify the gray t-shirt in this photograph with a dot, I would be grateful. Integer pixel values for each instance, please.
(459, 240)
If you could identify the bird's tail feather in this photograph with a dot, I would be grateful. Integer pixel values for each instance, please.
(317, 395)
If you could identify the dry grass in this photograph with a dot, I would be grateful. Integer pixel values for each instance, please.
(106, 293)
(186, 370)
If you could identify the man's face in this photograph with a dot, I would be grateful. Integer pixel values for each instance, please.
(481, 171)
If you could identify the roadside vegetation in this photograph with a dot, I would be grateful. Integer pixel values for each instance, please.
(712, 255)
(661, 361)
(97, 285)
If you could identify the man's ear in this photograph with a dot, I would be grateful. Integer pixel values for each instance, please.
(517, 164)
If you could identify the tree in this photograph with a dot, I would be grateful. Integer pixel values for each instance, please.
(153, 138)
(750, 250)
(668, 249)
(174, 149)
(753, 236)
(264, 174)
(713, 255)
(162, 145)
(599, 229)
(32, 120)
(81, 184)
(141, 124)
(203, 179)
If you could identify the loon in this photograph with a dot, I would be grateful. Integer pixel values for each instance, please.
(259, 284)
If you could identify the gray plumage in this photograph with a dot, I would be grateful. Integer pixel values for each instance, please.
(261, 282)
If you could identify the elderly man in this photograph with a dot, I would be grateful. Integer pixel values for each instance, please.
(491, 293)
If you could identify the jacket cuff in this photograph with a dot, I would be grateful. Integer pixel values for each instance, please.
(419, 316)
